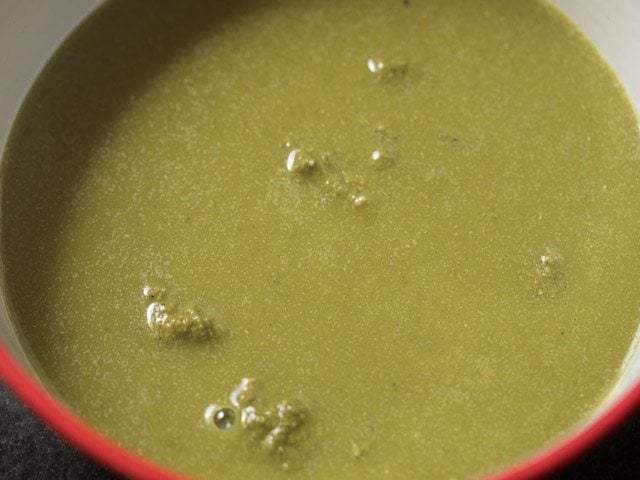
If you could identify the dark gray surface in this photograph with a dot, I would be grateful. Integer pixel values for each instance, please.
(30, 451)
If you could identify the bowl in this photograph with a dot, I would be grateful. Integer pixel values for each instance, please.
(30, 32)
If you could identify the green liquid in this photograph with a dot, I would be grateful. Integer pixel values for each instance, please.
(446, 280)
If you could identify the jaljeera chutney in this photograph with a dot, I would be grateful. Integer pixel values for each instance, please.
(326, 239)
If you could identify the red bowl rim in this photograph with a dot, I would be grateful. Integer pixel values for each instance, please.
(120, 460)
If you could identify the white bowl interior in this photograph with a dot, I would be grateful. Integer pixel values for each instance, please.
(31, 31)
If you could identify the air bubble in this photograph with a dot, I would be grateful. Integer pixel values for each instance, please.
(222, 418)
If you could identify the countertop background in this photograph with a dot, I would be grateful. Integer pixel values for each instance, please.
(30, 451)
